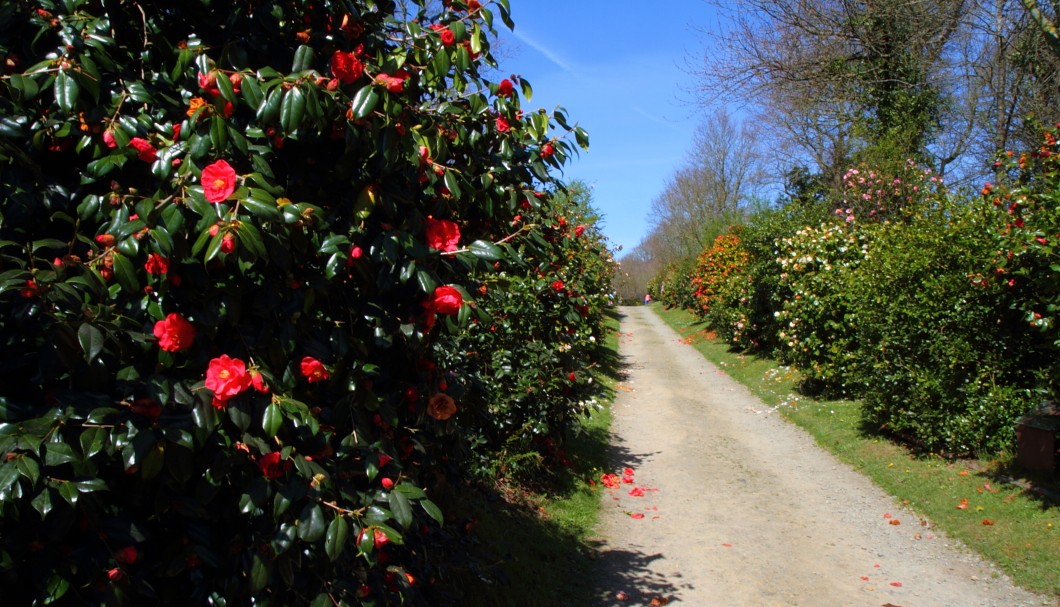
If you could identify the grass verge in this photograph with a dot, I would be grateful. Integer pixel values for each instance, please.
(523, 547)
(1012, 521)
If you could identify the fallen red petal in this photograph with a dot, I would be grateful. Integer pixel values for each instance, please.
(637, 515)
(896, 584)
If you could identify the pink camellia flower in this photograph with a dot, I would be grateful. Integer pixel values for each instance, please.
(395, 83)
(314, 370)
(447, 300)
(147, 152)
(505, 88)
(218, 181)
(273, 466)
(174, 333)
(156, 264)
(346, 67)
(108, 139)
(442, 234)
(226, 377)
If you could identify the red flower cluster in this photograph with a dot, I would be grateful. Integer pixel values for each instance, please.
(442, 234)
(174, 333)
(347, 66)
(146, 151)
(446, 34)
(227, 377)
(273, 466)
(156, 264)
(218, 181)
(395, 83)
(314, 370)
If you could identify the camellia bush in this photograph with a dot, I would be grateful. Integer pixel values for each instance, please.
(723, 286)
(945, 363)
(232, 239)
(817, 323)
(534, 360)
(1027, 261)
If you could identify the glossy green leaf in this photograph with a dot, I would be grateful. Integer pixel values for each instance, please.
(272, 421)
(303, 59)
(335, 539)
(432, 511)
(91, 340)
(364, 102)
(486, 250)
(400, 507)
(66, 90)
(125, 273)
(311, 524)
(292, 110)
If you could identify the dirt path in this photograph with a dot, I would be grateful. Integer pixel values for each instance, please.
(742, 508)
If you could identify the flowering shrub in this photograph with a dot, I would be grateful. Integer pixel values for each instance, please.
(532, 357)
(944, 361)
(673, 284)
(818, 325)
(723, 287)
(1028, 246)
(233, 235)
(879, 193)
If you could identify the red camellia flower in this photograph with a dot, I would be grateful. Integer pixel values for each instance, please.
(156, 264)
(442, 234)
(557, 285)
(579, 230)
(547, 150)
(228, 243)
(346, 67)
(174, 333)
(127, 555)
(505, 88)
(502, 124)
(108, 139)
(218, 181)
(448, 37)
(208, 83)
(272, 466)
(447, 300)
(258, 381)
(314, 370)
(226, 377)
(147, 152)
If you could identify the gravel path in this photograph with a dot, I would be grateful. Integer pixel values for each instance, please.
(741, 508)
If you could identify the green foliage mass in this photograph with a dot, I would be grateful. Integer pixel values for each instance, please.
(317, 191)
(935, 309)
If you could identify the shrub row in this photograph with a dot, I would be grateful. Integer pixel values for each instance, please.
(268, 271)
(935, 308)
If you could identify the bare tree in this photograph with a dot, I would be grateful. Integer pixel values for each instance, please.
(724, 172)
(833, 77)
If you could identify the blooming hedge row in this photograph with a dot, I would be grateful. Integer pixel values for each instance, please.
(937, 310)
(242, 250)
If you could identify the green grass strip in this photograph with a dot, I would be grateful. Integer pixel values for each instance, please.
(1004, 519)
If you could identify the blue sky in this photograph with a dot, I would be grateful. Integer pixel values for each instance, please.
(620, 68)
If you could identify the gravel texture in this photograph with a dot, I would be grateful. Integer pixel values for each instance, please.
(741, 508)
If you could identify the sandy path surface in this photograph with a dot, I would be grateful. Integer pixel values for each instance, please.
(741, 508)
